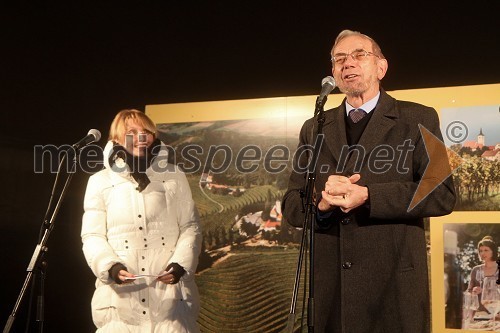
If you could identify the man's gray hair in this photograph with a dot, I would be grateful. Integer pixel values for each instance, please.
(347, 33)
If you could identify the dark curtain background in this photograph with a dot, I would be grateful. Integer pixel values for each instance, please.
(67, 68)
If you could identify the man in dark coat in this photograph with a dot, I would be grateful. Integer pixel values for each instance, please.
(370, 268)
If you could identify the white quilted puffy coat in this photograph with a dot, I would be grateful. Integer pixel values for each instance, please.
(145, 231)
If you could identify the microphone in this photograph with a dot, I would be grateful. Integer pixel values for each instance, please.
(327, 85)
(92, 136)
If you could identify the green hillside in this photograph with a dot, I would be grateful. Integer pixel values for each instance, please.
(250, 291)
(208, 203)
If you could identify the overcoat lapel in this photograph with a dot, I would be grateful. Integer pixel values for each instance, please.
(334, 130)
(382, 120)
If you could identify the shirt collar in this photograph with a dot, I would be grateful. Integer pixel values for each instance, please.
(367, 107)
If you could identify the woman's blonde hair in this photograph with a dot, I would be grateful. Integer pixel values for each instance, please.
(119, 125)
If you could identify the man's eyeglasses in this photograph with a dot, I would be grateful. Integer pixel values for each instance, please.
(358, 55)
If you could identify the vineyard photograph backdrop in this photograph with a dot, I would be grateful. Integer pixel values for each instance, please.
(477, 145)
(238, 171)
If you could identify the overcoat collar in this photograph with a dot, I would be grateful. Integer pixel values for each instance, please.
(383, 119)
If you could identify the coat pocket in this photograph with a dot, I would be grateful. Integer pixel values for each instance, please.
(176, 301)
(101, 304)
(403, 250)
(112, 302)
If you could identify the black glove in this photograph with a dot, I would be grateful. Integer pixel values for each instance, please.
(114, 271)
(177, 271)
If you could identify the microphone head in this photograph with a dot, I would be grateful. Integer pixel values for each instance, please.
(96, 134)
(327, 85)
(328, 80)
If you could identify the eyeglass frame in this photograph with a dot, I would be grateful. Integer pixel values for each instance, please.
(346, 55)
(141, 135)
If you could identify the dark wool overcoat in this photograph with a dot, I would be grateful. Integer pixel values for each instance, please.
(370, 265)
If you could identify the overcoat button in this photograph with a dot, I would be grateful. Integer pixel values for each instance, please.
(345, 221)
(347, 265)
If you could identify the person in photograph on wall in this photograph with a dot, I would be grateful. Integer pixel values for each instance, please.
(488, 254)
(370, 262)
(141, 235)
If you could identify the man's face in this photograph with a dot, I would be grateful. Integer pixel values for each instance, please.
(356, 69)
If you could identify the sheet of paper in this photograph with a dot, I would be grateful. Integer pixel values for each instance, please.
(142, 276)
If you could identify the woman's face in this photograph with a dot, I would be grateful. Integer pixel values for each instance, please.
(136, 139)
(485, 253)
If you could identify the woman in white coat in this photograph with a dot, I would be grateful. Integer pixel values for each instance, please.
(141, 235)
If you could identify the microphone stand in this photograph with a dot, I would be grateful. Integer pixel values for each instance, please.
(37, 261)
(310, 213)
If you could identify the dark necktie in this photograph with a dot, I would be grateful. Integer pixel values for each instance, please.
(356, 115)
